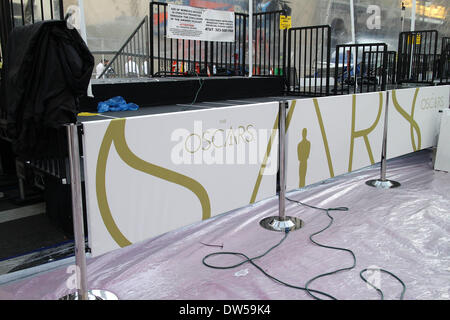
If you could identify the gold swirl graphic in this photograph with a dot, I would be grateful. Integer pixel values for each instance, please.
(363, 133)
(116, 134)
(269, 149)
(324, 138)
(410, 119)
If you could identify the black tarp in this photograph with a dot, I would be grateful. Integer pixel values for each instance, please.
(47, 69)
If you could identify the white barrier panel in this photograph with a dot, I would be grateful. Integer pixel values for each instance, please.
(149, 175)
(442, 162)
(331, 136)
(413, 122)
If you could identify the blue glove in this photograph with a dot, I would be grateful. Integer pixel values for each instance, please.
(116, 104)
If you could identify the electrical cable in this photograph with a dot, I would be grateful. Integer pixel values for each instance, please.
(251, 261)
(306, 288)
(378, 289)
(327, 211)
(199, 89)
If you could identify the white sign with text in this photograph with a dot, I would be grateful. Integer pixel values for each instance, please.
(191, 23)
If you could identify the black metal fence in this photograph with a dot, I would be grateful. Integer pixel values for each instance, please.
(391, 67)
(172, 57)
(132, 59)
(31, 11)
(444, 69)
(268, 44)
(360, 68)
(56, 164)
(417, 57)
(15, 13)
(308, 61)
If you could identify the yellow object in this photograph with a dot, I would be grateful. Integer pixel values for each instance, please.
(431, 11)
(416, 37)
(285, 22)
(88, 114)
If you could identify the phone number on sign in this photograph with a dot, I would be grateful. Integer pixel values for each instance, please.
(219, 30)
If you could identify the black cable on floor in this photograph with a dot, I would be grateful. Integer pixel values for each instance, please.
(246, 259)
(327, 211)
(378, 289)
(251, 261)
(199, 89)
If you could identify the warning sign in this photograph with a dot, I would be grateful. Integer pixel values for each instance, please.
(415, 38)
(285, 22)
(191, 23)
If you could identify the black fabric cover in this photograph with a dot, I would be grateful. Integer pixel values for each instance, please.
(47, 69)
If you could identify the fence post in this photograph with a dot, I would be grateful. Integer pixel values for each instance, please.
(250, 39)
(288, 58)
(285, 73)
(384, 70)
(336, 71)
(6, 23)
(61, 9)
(147, 48)
(244, 56)
(328, 60)
(152, 70)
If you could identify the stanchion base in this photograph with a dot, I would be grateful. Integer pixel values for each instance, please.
(275, 224)
(383, 184)
(93, 295)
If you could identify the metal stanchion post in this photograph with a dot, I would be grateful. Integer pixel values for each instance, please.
(383, 183)
(281, 222)
(78, 224)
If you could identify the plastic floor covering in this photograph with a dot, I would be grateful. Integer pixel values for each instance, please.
(405, 231)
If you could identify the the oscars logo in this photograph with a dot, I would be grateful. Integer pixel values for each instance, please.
(304, 150)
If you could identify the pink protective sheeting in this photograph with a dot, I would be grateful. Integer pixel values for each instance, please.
(405, 231)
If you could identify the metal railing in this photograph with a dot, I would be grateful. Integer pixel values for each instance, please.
(308, 60)
(268, 43)
(15, 13)
(21, 13)
(444, 68)
(132, 59)
(391, 67)
(174, 57)
(31, 11)
(417, 57)
(360, 68)
(55, 163)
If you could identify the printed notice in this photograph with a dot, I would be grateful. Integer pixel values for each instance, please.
(285, 22)
(190, 23)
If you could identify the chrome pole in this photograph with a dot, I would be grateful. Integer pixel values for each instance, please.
(282, 160)
(413, 39)
(383, 183)
(78, 223)
(281, 223)
(77, 211)
(384, 148)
